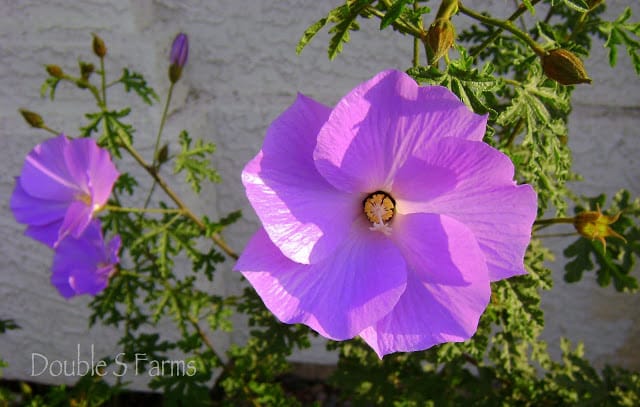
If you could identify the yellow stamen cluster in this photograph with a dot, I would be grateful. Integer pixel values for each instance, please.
(379, 207)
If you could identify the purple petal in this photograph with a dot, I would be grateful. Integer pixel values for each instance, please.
(180, 50)
(304, 215)
(47, 234)
(339, 296)
(90, 280)
(60, 280)
(45, 174)
(34, 211)
(420, 181)
(77, 218)
(486, 200)
(430, 314)
(438, 249)
(379, 124)
(83, 265)
(92, 169)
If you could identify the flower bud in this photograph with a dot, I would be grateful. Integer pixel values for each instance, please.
(98, 46)
(86, 69)
(178, 57)
(564, 67)
(163, 154)
(33, 118)
(55, 71)
(440, 38)
(595, 225)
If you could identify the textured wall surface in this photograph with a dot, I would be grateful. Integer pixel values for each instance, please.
(242, 73)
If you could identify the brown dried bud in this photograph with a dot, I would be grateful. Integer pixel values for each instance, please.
(440, 38)
(86, 69)
(55, 71)
(564, 67)
(33, 118)
(163, 154)
(98, 46)
(595, 225)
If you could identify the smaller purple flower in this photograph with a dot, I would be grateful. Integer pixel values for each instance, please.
(83, 265)
(179, 55)
(63, 183)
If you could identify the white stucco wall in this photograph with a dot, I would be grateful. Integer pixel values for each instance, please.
(242, 73)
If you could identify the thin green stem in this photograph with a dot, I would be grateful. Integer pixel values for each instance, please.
(550, 235)
(416, 41)
(552, 221)
(400, 24)
(521, 9)
(505, 25)
(103, 81)
(163, 119)
(114, 208)
(49, 129)
(514, 133)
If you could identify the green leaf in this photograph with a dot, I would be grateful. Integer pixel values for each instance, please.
(393, 12)
(577, 5)
(344, 18)
(475, 87)
(50, 84)
(136, 82)
(195, 161)
(529, 7)
(309, 33)
(8, 325)
(618, 33)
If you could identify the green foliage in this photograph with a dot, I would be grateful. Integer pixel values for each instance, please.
(194, 161)
(6, 325)
(136, 82)
(621, 32)
(617, 261)
(475, 87)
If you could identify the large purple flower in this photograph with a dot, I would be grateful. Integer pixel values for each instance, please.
(386, 217)
(62, 184)
(83, 265)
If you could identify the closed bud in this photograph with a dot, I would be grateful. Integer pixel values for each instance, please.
(178, 57)
(163, 154)
(86, 69)
(564, 67)
(98, 46)
(33, 118)
(440, 38)
(595, 225)
(55, 71)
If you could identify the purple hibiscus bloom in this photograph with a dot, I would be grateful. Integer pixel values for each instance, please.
(83, 265)
(386, 217)
(62, 184)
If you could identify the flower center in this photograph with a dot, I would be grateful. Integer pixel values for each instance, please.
(379, 207)
(86, 199)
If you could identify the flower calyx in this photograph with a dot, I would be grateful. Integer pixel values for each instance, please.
(564, 67)
(440, 39)
(595, 225)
